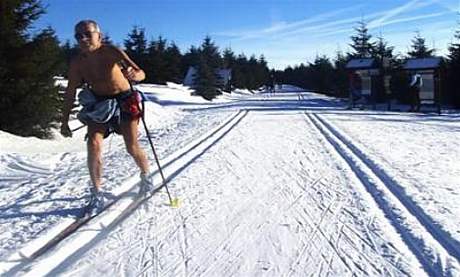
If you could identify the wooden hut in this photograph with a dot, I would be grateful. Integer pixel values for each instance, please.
(363, 74)
(430, 70)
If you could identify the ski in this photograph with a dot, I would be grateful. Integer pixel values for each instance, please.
(85, 217)
(81, 220)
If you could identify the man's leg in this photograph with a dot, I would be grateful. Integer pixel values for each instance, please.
(129, 132)
(95, 141)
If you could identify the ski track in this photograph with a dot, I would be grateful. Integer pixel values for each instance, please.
(287, 217)
(64, 181)
(434, 192)
(299, 196)
(437, 252)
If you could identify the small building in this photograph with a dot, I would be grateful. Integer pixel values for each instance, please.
(430, 70)
(363, 75)
(225, 76)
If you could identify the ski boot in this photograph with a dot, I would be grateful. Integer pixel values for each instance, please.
(96, 202)
(146, 185)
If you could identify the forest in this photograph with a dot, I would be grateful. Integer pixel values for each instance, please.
(29, 62)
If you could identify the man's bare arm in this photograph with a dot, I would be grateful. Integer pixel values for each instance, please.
(132, 71)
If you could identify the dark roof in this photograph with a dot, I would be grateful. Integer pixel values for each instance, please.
(423, 63)
(364, 63)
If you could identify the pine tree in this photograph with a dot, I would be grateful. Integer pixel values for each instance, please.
(251, 78)
(228, 58)
(29, 102)
(190, 59)
(156, 63)
(453, 63)
(207, 79)
(322, 73)
(136, 46)
(382, 50)
(262, 73)
(419, 48)
(229, 62)
(454, 48)
(210, 52)
(240, 72)
(362, 45)
(173, 59)
(341, 83)
(69, 51)
(106, 39)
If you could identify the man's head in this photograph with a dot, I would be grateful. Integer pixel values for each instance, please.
(88, 34)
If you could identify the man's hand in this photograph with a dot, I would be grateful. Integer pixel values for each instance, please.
(133, 74)
(65, 130)
(129, 73)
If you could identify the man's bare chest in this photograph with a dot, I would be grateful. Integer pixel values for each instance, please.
(97, 68)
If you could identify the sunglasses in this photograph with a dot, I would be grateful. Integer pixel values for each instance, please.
(82, 35)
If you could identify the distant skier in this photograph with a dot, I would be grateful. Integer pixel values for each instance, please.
(414, 90)
(108, 103)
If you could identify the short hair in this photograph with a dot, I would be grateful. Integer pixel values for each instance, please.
(88, 22)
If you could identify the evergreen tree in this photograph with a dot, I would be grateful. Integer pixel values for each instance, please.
(453, 63)
(207, 79)
(136, 46)
(251, 70)
(190, 59)
(156, 63)
(229, 59)
(240, 72)
(106, 39)
(419, 48)
(69, 51)
(210, 52)
(362, 45)
(384, 55)
(173, 58)
(382, 50)
(262, 73)
(340, 83)
(279, 77)
(289, 76)
(322, 74)
(229, 62)
(454, 48)
(29, 102)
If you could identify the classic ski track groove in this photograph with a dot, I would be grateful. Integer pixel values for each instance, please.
(223, 253)
(232, 122)
(218, 258)
(332, 238)
(421, 248)
(332, 213)
(25, 260)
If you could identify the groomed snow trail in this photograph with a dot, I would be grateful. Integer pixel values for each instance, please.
(36, 198)
(269, 199)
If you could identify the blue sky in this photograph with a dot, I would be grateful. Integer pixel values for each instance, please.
(287, 32)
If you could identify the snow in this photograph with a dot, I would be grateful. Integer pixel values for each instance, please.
(289, 184)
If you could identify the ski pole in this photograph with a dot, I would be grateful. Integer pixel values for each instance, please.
(78, 128)
(173, 202)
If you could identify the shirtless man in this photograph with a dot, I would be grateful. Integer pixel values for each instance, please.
(98, 66)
